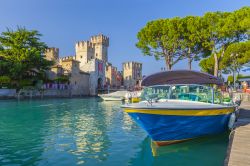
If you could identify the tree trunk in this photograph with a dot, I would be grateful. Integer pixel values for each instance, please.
(189, 63)
(189, 59)
(168, 63)
(216, 65)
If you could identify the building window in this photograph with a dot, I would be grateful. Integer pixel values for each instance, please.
(96, 55)
(75, 82)
(81, 56)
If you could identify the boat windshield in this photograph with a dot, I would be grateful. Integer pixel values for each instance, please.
(156, 92)
(182, 92)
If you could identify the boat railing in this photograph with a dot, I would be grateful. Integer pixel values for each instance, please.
(192, 92)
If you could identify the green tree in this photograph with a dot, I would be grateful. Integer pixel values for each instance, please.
(224, 28)
(236, 55)
(22, 51)
(192, 40)
(207, 65)
(162, 39)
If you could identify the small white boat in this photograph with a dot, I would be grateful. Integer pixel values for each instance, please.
(112, 98)
(115, 96)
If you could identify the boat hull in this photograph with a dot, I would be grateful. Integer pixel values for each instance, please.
(108, 98)
(173, 126)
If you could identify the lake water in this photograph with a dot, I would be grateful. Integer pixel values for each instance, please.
(87, 131)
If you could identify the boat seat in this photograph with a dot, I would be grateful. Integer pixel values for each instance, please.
(188, 96)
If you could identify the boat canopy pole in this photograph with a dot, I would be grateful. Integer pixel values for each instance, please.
(212, 95)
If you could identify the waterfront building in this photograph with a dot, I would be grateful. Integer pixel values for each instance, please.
(78, 80)
(132, 75)
(93, 55)
(89, 70)
(113, 76)
(86, 67)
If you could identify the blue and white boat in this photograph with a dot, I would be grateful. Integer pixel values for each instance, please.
(179, 105)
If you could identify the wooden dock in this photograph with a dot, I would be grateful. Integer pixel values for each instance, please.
(238, 153)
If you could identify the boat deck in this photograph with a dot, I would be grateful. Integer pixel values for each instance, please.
(239, 145)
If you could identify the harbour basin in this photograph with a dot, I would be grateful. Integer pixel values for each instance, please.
(88, 131)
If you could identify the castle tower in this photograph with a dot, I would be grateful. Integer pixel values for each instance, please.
(84, 51)
(101, 44)
(52, 54)
(132, 74)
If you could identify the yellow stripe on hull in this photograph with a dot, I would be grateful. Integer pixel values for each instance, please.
(181, 112)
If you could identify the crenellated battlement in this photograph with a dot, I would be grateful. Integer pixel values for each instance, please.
(52, 50)
(84, 45)
(52, 54)
(100, 39)
(68, 58)
(132, 64)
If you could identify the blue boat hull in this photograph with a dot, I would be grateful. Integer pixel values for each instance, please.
(167, 129)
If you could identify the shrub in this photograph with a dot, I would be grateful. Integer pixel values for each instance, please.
(4, 80)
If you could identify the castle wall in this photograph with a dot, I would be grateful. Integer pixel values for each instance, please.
(79, 81)
(112, 74)
(79, 84)
(96, 69)
(52, 54)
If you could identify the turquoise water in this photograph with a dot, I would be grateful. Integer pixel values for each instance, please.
(90, 132)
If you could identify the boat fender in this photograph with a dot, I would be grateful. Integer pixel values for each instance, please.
(231, 121)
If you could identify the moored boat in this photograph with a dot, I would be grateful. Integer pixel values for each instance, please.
(114, 96)
(177, 106)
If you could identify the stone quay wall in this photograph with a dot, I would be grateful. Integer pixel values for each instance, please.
(7, 93)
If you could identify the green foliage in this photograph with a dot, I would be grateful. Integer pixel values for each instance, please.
(241, 76)
(230, 79)
(223, 29)
(207, 65)
(62, 79)
(194, 37)
(236, 55)
(4, 80)
(162, 39)
(20, 52)
(26, 82)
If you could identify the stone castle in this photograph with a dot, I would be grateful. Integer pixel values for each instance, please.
(89, 70)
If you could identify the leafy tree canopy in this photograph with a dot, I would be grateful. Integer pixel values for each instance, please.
(20, 52)
(162, 39)
(236, 55)
(194, 37)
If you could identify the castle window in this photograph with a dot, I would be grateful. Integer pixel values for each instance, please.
(81, 56)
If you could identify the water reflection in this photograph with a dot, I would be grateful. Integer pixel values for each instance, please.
(193, 152)
(78, 133)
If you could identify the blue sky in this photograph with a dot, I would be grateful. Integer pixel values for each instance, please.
(63, 22)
